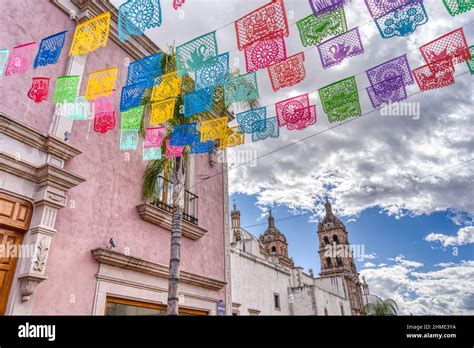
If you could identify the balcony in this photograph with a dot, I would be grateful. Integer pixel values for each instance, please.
(160, 211)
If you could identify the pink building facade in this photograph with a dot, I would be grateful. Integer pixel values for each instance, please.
(62, 201)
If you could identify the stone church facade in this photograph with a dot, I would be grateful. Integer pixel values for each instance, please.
(265, 281)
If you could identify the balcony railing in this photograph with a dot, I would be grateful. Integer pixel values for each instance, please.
(165, 200)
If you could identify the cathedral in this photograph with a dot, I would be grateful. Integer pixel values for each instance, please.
(265, 280)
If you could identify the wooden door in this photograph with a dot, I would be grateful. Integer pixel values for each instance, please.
(9, 250)
(15, 216)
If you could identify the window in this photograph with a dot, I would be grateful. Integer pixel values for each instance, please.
(276, 298)
(335, 239)
(339, 260)
(326, 240)
(274, 250)
(119, 306)
(328, 262)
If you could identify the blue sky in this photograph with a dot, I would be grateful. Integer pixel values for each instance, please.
(380, 234)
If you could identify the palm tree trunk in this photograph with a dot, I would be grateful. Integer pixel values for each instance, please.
(176, 232)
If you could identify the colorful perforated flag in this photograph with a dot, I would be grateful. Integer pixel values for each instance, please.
(50, 49)
(213, 72)
(261, 23)
(314, 29)
(4, 53)
(470, 63)
(341, 99)
(295, 113)
(232, 138)
(198, 101)
(270, 130)
(90, 35)
(151, 153)
(241, 88)
(435, 75)
(191, 55)
(336, 49)
(155, 136)
(101, 83)
(379, 8)
(198, 147)
(131, 96)
(320, 7)
(137, 16)
(213, 129)
(132, 119)
(20, 59)
(173, 151)
(39, 90)
(388, 81)
(252, 121)
(145, 71)
(288, 72)
(456, 7)
(66, 89)
(291, 110)
(183, 134)
(104, 118)
(128, 140)
(265, 52)
(402, 21)
(170, 87)
(452, 45)
(162, 111)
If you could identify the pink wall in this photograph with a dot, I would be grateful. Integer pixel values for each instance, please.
(105, 205)
(20, 24)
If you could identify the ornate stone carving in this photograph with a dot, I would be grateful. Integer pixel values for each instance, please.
(41, 255)
(28, 284)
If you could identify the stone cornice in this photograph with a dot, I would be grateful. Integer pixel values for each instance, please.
(137, 46)
(44, 175)
(163, 219)
(113, 258)
(43, 142)
(280, 268)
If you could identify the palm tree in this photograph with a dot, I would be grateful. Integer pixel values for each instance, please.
(176, 167)
(380, 307)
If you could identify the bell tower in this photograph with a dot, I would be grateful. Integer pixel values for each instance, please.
(336, 256)
(275, 244)
(235, 223)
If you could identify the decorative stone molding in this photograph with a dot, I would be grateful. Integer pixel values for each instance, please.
(117, 259)
(41, 255)
(47, 143)
(28, 284)
(162, 218)
(137, 46)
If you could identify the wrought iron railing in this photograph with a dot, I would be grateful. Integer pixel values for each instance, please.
(165, 200)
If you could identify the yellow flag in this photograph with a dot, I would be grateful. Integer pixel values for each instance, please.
(91, 35)
(213, 129)
(101, 83)
(162, 111)
(170, 87)
(232, 138)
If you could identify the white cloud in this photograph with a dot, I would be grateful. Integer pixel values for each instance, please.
(369, 264)
(370, 256)
(464, 236)
(437, 292)
(373, 161)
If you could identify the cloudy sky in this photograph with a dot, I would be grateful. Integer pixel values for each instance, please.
(403, 185)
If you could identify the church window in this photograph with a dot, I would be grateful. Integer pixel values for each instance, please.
(326, 240)
(328, 262)
(274, 250)
(276, 298)
(339, 260)
(335, 239)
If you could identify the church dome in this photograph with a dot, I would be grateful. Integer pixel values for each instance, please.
(330, 220)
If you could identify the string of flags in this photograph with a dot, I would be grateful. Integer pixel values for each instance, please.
(261, 36)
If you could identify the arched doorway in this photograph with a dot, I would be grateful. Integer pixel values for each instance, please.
(15, 217)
